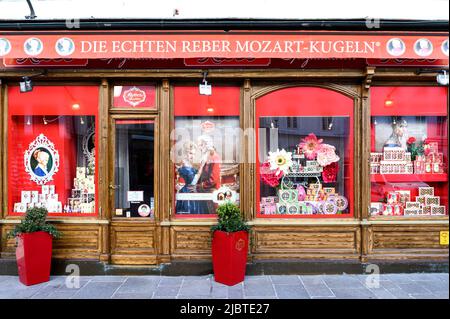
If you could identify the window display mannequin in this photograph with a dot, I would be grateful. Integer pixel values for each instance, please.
(399, 135)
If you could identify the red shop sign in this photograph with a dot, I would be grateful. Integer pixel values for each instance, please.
(135, 96)
(245, 44)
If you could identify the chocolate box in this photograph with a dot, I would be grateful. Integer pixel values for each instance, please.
(437, 210)
(423, 191)
(404, 196)
(375, 157)
(412, 212)
(413, 205)
(394, 154)
(432, 200)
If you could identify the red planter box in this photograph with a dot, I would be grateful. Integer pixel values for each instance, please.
(229, 253)
(34, 256)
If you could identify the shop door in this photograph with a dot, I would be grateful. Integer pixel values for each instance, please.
(132, 193)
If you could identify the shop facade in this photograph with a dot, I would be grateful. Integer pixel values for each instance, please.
(335, 145)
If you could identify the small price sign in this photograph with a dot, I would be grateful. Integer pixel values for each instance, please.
(443, 237)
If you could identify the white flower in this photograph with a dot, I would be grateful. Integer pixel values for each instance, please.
(280, 160)
(326, 155)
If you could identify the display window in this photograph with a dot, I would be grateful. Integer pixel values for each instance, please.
(134, 96)
(409, 152)
(304, 154)
(134, 168)
(52, 154)
(205, 151)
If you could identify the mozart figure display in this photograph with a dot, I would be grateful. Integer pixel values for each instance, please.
(42, 158)
(399, 135)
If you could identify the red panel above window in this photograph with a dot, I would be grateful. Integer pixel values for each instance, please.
(224, 101)
(54, 100)
(408, 100)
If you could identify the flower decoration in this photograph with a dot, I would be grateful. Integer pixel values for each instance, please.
(269, 176)
(417, 148)
(310, 145)
(330, 172)
(281, 161)
(326, 155)
(411, 140)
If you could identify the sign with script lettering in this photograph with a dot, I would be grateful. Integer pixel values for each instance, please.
(187, 44)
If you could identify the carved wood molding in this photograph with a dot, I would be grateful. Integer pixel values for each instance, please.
(345, 90)
(370, 72)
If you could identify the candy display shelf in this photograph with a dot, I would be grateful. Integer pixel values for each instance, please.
(398, 178)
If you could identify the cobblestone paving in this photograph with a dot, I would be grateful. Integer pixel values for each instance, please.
(391, 286)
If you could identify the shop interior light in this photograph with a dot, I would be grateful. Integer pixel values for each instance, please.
(26, 85)
(81, 121)
(44, 120)
(388, 103)
(76, 106)
(28, 121)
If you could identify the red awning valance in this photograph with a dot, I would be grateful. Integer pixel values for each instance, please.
(84, 45)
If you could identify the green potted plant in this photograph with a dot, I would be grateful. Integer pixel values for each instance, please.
(34, 246)
(229, 245)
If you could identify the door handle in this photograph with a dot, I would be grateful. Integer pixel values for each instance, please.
(114, 186)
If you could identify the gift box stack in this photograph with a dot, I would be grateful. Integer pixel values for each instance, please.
(47, 198)
(312, 201)
(394, 205)
(83, 193)
(399, 203)
(269, 205)
(426, 203)
(394, 160)
(305, 166)
(375, 159)
(432, 163)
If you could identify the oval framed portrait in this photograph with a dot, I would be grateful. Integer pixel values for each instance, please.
(423, 47)
(89, 144)
(144, 210)
(444, 47)
(41, 160)
(33, 46)
(5, 46)
(396, 47)
(65, 46)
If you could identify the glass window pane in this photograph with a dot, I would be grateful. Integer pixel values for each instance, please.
(304, 167)
(304, 154)
(52, 150)
(409, 152)
(206, 164)
(134, 168)
(206, 146)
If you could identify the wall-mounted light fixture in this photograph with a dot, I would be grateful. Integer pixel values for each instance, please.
(204, 87)
(26, 85)
(442, 77)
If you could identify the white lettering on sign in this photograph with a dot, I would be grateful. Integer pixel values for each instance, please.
(94, 47)
(206, 46)
(320, 47)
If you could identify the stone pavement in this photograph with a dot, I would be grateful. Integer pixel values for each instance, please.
(391, 286)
